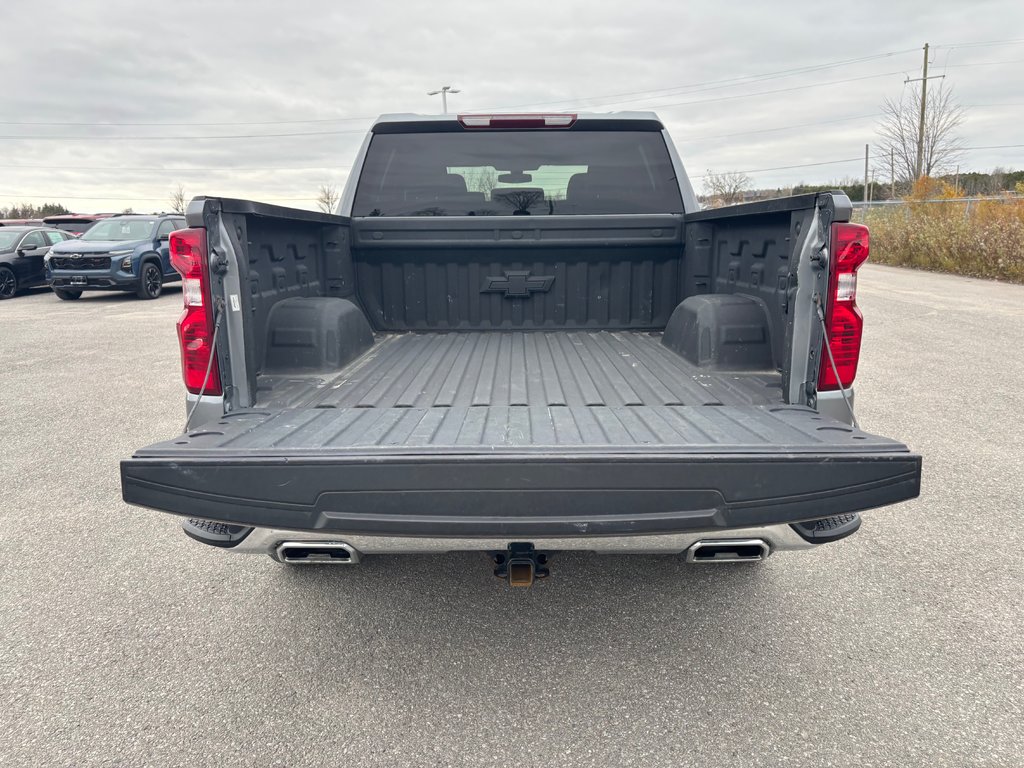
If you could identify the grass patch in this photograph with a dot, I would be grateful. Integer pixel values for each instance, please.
(978, 239)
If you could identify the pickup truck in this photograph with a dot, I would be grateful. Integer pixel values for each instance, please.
(520, 335)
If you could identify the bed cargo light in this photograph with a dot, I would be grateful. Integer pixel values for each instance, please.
(195, 326)
(843, 321)
(525, 120)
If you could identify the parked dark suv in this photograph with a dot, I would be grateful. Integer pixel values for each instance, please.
(22, 250)
(122, 253)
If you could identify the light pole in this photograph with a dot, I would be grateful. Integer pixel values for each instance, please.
(444, 91)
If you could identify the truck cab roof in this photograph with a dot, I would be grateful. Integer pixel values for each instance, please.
(411, 117)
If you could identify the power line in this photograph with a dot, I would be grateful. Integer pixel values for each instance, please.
(787, 167)
(701, 90)
(178, 138)
(878, 158)
(348, 167)
(983, 64)
(777, 90)
(682, 139)
(993, 146)
(982, 44)
(197, 125)
(719, 83)
(652, 93)
(701, 176)
(773, 130)
(334, 133)
(176, 170)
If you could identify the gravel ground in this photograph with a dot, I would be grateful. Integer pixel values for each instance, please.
(123, 642)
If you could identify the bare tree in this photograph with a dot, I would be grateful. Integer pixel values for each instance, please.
(483, 180)
(327, 198)
(520, 200)
(997, 180)
(899, 131)
(178, 200)
(725, 188)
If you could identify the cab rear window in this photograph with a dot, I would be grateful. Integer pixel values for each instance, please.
(517, 173)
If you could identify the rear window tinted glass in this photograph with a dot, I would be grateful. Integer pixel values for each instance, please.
(77, 226)
(517, 173)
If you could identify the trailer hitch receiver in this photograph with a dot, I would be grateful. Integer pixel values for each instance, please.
(521, 564)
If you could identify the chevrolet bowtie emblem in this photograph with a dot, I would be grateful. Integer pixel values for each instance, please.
(518, 284)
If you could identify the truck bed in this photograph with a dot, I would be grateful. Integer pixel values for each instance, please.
(495, 390)
(508, 369)
(470, 377)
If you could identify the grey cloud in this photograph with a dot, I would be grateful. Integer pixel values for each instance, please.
(191, 62)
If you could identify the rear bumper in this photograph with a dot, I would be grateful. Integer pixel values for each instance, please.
(832, 405)
(203, 409)
(264, 541)
(520, 496)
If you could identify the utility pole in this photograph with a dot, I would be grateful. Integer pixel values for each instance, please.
(919, 165)
(892, 173)
(444, 91)
(867, 148)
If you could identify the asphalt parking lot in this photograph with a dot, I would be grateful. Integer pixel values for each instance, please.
(123, 642)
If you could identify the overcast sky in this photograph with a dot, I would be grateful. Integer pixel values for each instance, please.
(718, 73)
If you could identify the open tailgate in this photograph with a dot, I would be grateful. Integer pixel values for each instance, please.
(521, 471)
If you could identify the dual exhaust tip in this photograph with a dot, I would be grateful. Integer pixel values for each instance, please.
(520, 569)
(317, 553)
(728, 551)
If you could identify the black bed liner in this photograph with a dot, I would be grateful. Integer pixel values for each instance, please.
(502, 430)
(507, 368)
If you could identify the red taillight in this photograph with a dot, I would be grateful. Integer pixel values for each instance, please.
(195, 327)
(518, 121)
(843, 320)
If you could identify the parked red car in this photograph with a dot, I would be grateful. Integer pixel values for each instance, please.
(20, 222)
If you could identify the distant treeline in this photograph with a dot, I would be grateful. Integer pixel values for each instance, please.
(30, 211)
(970, 185)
